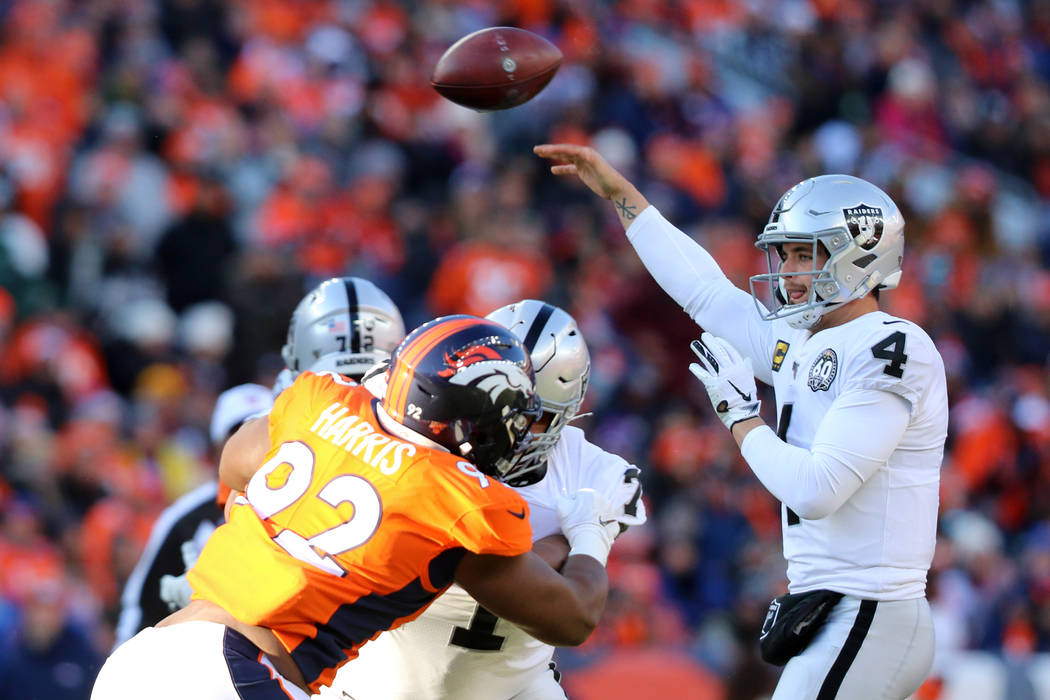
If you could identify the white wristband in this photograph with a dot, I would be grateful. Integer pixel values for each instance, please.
(590, 541)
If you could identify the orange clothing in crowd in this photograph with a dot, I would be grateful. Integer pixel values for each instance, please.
(477, 277)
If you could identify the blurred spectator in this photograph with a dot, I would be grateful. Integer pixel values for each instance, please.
(506, 263)
(201, 241)
(119, 177)
(23, 253)
(53, 657)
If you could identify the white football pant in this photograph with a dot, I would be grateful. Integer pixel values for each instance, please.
(867, 650)
(191, 661)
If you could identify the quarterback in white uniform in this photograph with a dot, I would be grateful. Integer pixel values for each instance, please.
(861, 403)
(457, 649)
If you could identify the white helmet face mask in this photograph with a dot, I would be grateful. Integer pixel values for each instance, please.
(563, 366)
(344, 325)
(860, 230)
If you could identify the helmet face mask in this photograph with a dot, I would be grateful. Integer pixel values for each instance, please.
(850, 222)
(468, 385)
(563, 365)
(345, 325)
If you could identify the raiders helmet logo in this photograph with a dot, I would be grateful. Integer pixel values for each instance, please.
(865, 224)
(771, 618)
(823, 371)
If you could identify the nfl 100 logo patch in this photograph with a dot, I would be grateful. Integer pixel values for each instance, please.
(823, 371)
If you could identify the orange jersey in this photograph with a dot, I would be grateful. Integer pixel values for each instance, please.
(346, 530)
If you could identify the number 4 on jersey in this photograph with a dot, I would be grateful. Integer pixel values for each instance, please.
(891, 349)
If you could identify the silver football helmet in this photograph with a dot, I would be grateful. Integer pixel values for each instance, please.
(563, 366)
(858, 225)
(344, 325)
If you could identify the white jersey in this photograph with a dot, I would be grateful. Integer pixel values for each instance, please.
(456, 649)
(869, 485)
(880, 543)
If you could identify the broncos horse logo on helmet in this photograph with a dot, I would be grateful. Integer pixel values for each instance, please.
(467, 384)
(466, 357)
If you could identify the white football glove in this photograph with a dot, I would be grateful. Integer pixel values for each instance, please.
(175, 591)
(190, 553)
(728, 378)
(589, 523)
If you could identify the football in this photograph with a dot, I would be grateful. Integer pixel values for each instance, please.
(496, 68)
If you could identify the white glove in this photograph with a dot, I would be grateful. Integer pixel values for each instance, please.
(728, 378)
(589, 523)
(175, 591)
(190, 553)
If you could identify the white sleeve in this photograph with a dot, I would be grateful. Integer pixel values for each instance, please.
(692, 278)
(816, 482)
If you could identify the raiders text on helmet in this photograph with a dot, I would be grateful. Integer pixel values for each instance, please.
(563, 367)
(345, 325)
(858, 225)
(467, 384)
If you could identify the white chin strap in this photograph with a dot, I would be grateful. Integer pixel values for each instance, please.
(809, 317)
(806, 319)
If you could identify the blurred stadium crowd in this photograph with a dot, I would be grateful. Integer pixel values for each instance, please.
(175, 174)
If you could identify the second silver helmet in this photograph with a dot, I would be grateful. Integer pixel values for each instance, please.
(345, 324)
(563, 366)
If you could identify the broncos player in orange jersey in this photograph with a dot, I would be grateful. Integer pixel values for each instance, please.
(360, 513)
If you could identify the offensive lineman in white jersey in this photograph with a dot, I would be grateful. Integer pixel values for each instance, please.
(457, 649)
(862, 406)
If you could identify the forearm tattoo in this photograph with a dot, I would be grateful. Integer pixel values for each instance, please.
(626, 211)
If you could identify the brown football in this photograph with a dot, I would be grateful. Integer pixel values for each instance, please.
(496, 68)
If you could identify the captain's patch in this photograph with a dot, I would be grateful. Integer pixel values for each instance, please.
(779, 353)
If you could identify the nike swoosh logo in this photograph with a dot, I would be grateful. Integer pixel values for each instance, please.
(887, 323)
(814, 212)
(745, 397)
(519, 516)
(603, 523)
